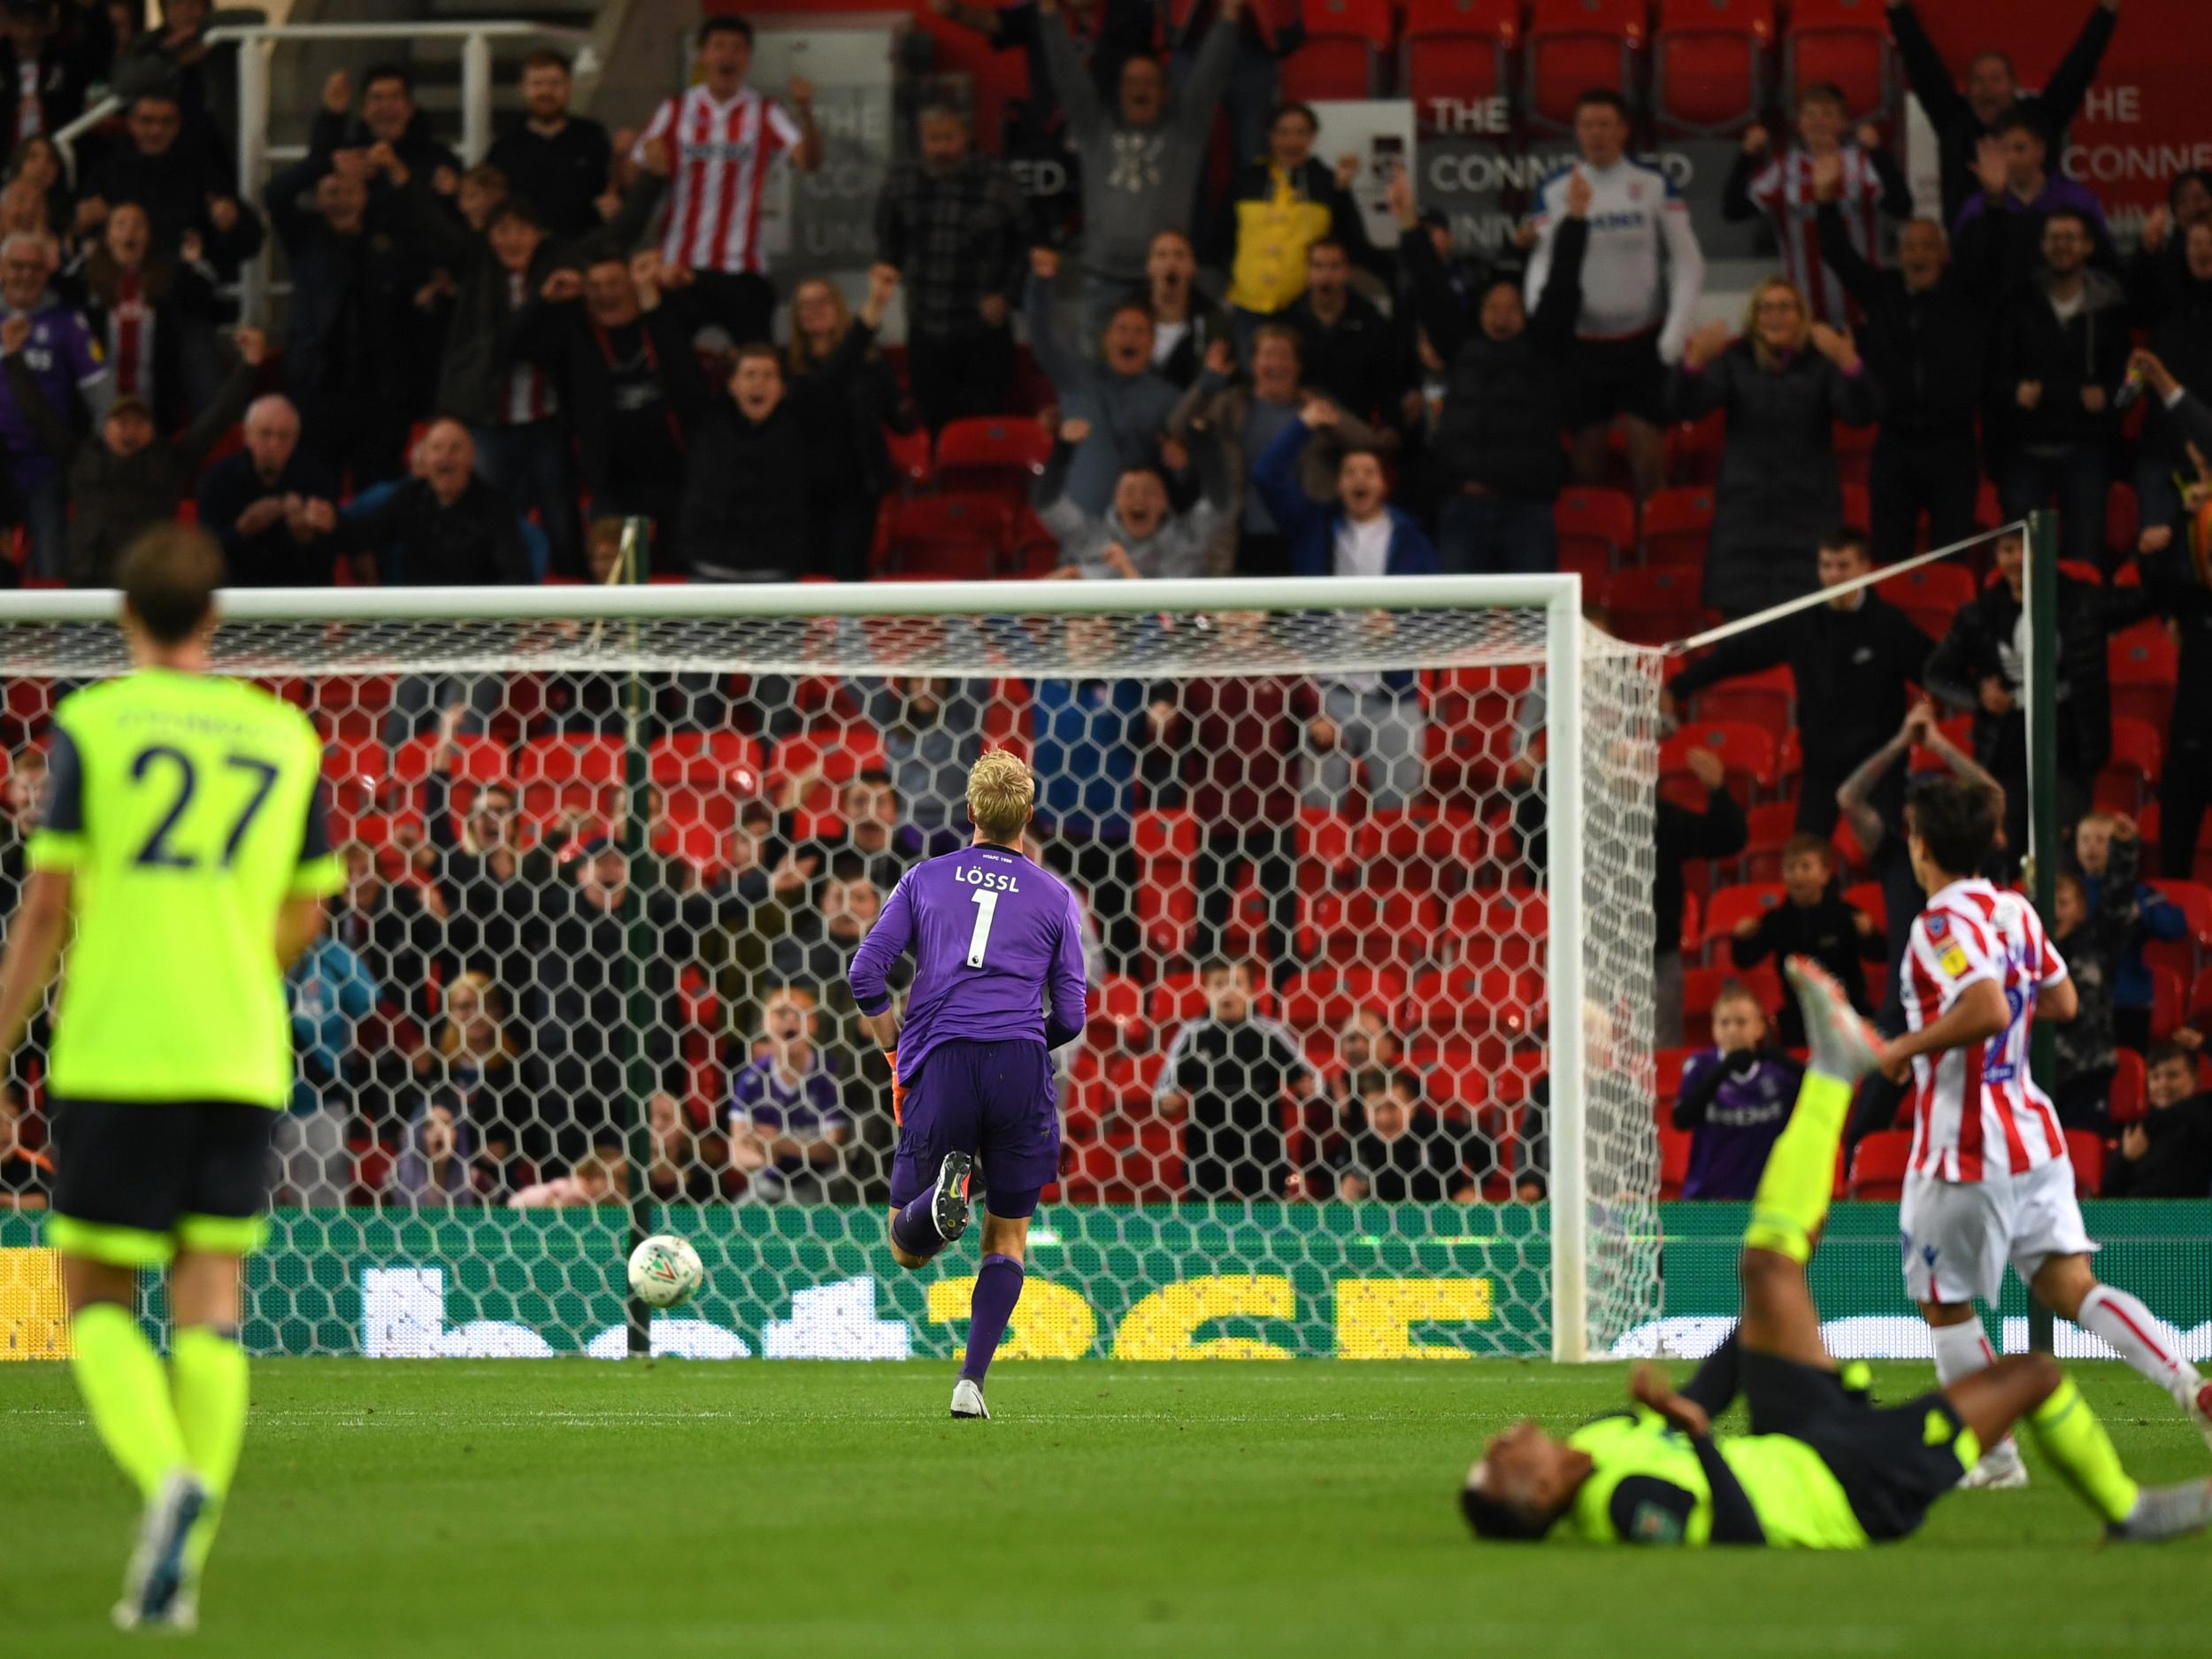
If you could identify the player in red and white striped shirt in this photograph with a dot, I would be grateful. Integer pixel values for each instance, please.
(1863, 179)
(1989, 1180)
(726, 139)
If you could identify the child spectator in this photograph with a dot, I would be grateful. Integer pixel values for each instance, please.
(435, 1165)
(1139, 534)
(2091, 940)
(1811, 922)
(1225, 1078)
(1735, 1100)
(2169, 1154)
(1782, 190)
(787, 1122)
(1402, 1154)
(2108, 851)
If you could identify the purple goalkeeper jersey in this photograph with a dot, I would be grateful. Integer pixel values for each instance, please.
(998, 954)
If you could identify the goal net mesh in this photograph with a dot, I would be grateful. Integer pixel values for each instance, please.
(604, 876)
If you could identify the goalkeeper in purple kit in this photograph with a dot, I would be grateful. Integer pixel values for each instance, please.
(997, 943)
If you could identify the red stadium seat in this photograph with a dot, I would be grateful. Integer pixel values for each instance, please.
(1771, 828)
(1678, 524)
(2129, 1098)
(1878, 1167)
(1847, 42)
(1694, 448)
(2193, 899)
(1871, 897)
(1728, 906)
(1456, 51)
(1675, 1145)
(2085, 1152)
(1574, 45)
(722, 759)
(558, 774)
(1495, 1009)
(1941, 586)
(2121, 520)
(1654, 607)
(1343, 54)
(1500, 929)
(2133, 762)
(1596, 529)
(1166, 900)
(2142, 664)
(1767, 700)
(960, 536)
(1749, 754)
(1469, 738)
(1708, 65)
(1853, 448)
(1360, 928)
(992, 454)
(1320, 1002)
(909, 456)
(2169, 995)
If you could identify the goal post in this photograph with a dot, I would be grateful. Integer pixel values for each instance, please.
(1420, 809)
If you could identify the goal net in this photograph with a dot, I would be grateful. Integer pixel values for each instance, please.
(1367, 868)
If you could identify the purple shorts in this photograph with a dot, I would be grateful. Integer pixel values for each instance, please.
(998, 1101)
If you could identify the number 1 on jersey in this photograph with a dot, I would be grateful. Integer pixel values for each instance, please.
(987, 909)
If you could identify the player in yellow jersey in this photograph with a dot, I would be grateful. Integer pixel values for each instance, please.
(1821, 1469)
(183, 836)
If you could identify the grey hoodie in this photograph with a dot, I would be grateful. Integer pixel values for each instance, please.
(1137, 180)
(1178, 548)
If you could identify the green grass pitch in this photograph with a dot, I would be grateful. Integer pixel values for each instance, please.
(574, 1507)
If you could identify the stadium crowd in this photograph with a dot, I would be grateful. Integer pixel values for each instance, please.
(1316, 900)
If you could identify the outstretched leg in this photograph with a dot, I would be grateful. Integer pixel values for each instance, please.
(2031, 1390)
(1792, 1200)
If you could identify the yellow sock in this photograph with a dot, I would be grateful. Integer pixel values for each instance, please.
(1800, 1173)
(210, 1383)
(119, 1375)
(2067, 1431)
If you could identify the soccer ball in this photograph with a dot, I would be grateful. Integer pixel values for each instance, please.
(665, 1271)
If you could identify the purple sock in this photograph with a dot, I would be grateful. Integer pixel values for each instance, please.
(998, 1286)
(914, 1229)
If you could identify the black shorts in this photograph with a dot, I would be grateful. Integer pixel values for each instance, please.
(1892, 1462)
(1618, 376)
(135, 1179)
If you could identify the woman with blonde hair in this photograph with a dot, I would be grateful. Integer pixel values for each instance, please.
(848, 465)
(473, 1065)
(1784, 384)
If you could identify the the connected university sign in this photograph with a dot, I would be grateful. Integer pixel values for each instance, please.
(1350, 1282)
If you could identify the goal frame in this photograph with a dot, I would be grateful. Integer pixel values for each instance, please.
(1558, 597)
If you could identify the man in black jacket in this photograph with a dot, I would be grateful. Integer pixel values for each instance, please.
(1851, 659)
(2062, 347)
(63, 63)
(1926, 337)
(555, 161)
(622, 353)
(1495, 454)
(443, 528)
(184, 186)
(1962, 121)
(1718, 831)
(272, 504)
(1978, 667)
(1347, 346)
(352, 312)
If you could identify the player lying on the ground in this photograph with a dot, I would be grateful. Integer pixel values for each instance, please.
(1820, 1470)
(1990, 1180)
(998, 983)
(184, 837)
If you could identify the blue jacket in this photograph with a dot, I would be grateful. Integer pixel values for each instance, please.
(1312, 525)
(1088, 732)
(331, 993)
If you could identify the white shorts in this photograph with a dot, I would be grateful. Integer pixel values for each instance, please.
(1958, 1235)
